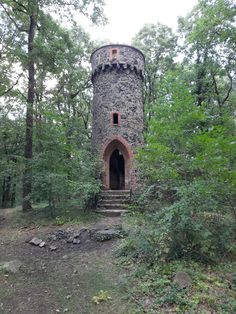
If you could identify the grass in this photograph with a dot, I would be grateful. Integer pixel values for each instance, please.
(211, 291)
(150, 281)
(42, 215)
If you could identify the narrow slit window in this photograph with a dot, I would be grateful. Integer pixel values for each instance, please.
(114, 53)
(115, 119)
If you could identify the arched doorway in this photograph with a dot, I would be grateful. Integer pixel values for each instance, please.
(117, 157)
(117, 170)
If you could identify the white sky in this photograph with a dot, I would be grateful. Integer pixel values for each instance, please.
(126, 17)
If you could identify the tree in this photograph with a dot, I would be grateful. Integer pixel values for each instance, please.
(11, 151)
(188, 161)
(158, 44)
(188, 164)
(209, 43)
(63, 166)
(26, 17)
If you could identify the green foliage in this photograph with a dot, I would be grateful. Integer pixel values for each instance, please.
(42, 215)
(208, 41)
(188, 164)
(154, 290)
(11, 161)
(158, 44)
(62, 167)
(188, 174)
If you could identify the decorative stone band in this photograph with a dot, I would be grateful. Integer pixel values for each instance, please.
(116, 65)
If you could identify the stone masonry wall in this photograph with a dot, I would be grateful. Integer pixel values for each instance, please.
(117, 88)
(117, 75)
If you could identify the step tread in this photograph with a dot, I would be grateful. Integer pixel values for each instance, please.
(116, 191)
(113, 205)
(113, 202)
(120, 192)
(112, 212)
(115, 195)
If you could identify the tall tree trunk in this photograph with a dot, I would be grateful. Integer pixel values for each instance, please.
(6, 199)
(27, 176)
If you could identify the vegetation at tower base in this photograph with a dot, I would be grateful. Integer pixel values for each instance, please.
(190, 178)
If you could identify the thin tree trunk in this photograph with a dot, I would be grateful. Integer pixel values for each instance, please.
(3, 192)
(6, 201)
(27, 177)
(13, 194)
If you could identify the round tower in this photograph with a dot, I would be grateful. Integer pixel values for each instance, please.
(117, 129)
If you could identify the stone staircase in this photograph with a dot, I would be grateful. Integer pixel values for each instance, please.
(113, 202)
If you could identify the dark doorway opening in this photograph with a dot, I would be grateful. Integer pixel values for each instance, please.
(117, 171)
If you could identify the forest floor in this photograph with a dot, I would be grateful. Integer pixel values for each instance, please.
(60, 281)
(70, 278)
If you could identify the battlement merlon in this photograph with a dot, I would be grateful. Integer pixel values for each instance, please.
(117, 56)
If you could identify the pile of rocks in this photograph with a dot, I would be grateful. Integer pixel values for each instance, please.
(67, 236)
(75, 237)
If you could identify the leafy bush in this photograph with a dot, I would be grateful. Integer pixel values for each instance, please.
(188, 168)
(154, 290)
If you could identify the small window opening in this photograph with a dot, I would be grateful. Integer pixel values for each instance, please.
(114, 53)
(115, 118)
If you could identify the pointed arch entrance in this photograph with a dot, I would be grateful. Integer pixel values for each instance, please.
(117, 158)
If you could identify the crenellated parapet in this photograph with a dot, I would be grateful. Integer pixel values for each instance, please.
(123, 57)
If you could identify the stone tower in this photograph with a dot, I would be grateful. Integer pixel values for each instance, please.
(117, 130)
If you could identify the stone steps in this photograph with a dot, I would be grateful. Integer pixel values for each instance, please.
(112, 212)
(113, 196)
(115, 193)
(113, 202)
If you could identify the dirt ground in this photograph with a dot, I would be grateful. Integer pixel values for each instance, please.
(61, 281)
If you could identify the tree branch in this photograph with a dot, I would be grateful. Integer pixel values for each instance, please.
(229, 89)
(12, 20)
(24, 9)
(216, 89)
(10, 88)
(85, 86)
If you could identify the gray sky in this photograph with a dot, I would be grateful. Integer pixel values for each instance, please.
(126, 17)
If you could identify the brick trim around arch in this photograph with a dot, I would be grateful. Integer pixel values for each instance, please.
(118, 142)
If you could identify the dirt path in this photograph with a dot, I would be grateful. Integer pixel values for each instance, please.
(61, 281)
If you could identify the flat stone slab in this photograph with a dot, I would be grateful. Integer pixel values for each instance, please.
(12, 266)
(76, 241)
(42, 244)
(107, 234)
(35, 241)
(52, 247)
